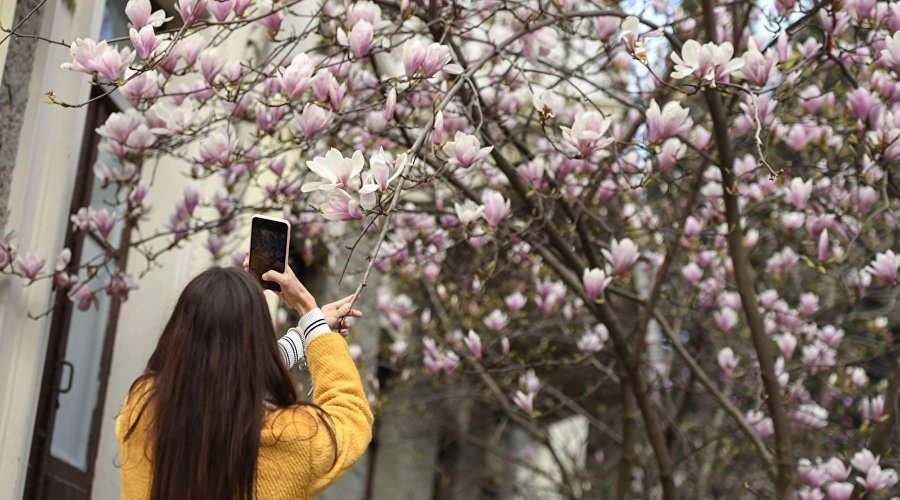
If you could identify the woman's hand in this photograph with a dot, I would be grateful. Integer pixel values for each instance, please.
(293, 293)
(336, 313)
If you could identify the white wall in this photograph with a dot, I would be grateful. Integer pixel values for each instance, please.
(142, 318)
(7, 9)
(46, 164)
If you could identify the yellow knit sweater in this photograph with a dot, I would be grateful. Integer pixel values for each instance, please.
(296, 453)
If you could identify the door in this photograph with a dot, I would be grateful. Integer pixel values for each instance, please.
(73, 388)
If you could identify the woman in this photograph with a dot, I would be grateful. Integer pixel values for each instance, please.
(216, 413)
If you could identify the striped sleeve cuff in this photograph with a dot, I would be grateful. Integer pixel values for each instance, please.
(292, 349)
(313, 324)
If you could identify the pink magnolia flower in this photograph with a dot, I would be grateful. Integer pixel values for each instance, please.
(138, 12)
(809, 304)
(758, 67)
(515, 302)
(29, 265)
(504, 346)
(890, 55)
(727, 361)
(822, 246)
(885, 266)
(524, 401)
(725, 319)
(296, 78)
(872, 409)
(529, 382)
(435, 58)
(671, 151)
(798, 192)
(692, 273)
(313, 120)
(190, 10)
(364, 10)
(220, 8)
(588, 132)
(145, 41)
(273, 15)
(120, 286)
(496, 207)
(809, 474)
(449, 362)
(465, 150)
(760, 423)
(785, 6)
(839, 491)
(341, 206)
(606, 27)
(111, 63)
(473, 343)
(836, 469)
(214, 244)
(437, 130)
(782, 46)
(863, 460)
(708, 63)
(62, 260)
(241, 6)
(384, 172)
(811, 415)
(389, 104)
(496, 320)
(622, 254)
(85, 52)
(191, 199)
(398, 349)
(218, 148)
(361, 37)
(103, 221)
(413, 56)
(630, 38)
(211, 64)
(143, 86)
(119, 126)
(878, 479)
(468, 212)
(593, 340)
(83, 297)
(538, 42)
(672, 121)
(335, 169)
(787, 343)
(595, 282)
(82, 219)
(863, 105)
(326, 88)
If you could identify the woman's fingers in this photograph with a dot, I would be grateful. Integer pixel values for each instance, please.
(275, 276)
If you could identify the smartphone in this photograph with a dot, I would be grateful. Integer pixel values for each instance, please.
(269, 245)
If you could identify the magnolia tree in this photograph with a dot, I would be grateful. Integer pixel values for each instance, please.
(676, 221)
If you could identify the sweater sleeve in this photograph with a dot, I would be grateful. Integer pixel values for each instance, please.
(290, 345)
(338, 391)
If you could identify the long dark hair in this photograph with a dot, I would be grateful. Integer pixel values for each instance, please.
(215, 366)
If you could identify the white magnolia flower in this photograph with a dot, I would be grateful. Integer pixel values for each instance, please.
(335, 169)
(709, 62)
(468, 212)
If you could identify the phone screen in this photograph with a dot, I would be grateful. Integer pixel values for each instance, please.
(268, 249)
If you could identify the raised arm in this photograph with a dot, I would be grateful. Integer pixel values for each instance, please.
(337, 389)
